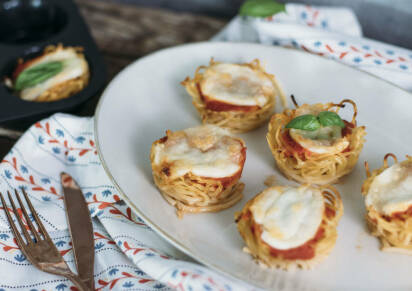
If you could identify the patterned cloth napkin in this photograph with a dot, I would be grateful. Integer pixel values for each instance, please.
(129, 255)
(330, 32)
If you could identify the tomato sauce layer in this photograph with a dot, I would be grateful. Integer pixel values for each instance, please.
(303, 252)
(348, 128)
(401, 215)
(293, 147)
(329, 212)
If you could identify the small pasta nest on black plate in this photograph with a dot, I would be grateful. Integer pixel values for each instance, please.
(71, 78)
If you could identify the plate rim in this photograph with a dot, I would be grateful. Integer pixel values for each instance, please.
(124, 197)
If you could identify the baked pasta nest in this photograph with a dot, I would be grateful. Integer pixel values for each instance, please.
(237, 121)
(308, 167)
(193, 194)
(394, 232)
(319, 246)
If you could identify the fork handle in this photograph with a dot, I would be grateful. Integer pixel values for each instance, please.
(82, 286)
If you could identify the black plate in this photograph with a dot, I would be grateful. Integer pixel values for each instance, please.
(26, 28)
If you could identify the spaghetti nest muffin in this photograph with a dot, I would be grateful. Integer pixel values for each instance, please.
(289, 227)
(312, 144)
(388, 199)
(198, 169)
(58, 73)
(239, 97)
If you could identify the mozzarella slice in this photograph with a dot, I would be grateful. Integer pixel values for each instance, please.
(205, 151)
(391, 190)
(326, 140)
(289, 216)
(73, 66)
(236, 84)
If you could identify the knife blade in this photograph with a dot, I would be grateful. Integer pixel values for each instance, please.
(81, 229)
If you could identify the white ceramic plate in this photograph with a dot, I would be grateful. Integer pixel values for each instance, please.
(146, 98)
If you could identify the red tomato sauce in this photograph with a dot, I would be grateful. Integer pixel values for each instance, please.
(166, 171)
(401, 215)
(348, 128)
(293, 147)
(329, 212)
(163, 139)
(303, 252)
(227, 181)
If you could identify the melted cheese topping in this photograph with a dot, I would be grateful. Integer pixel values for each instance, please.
(391, 190)
(325, 140)
(205, 151)
(73, 66)
(289, 216)
(236, 84)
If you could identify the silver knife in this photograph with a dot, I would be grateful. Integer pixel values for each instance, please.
(81, 229)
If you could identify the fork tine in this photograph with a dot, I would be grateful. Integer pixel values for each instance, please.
(42, 229)
(23, 209)
(13, 227)
(16, 214)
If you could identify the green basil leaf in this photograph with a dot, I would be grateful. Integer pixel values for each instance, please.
(329, 118)
(37, 74)
(304, 122)
(261, 8)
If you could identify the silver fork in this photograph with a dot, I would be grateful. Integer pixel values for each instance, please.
(38, 247)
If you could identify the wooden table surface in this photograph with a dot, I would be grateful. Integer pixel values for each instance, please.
(124, 33)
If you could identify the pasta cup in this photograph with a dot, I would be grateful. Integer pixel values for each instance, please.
(179, 179)
(385, 219)
(304, 166)
(310, 251)
(236, 114)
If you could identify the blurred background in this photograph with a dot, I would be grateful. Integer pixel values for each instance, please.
(127, 29)
(386, 20)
